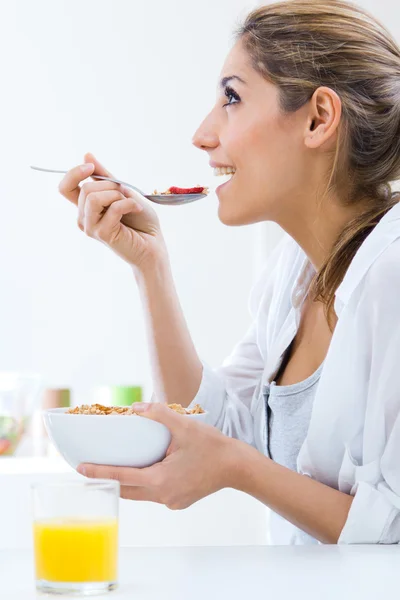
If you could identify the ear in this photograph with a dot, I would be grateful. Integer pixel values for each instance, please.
(323, 119)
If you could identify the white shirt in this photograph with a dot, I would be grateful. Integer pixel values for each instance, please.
(353, 442)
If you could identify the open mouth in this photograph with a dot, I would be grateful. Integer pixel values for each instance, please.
(226, 172)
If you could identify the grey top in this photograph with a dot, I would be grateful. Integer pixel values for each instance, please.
(288, 410)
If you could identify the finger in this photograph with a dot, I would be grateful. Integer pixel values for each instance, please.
(109, 227)
(156, 411)
(95, 205)
(98, 167)
(143, 494)
(125, 475)
(88, 188)
(69, 185)
(130, 193)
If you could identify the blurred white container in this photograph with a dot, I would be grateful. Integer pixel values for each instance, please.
(19, 396)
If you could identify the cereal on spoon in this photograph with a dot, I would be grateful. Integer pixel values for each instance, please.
(178, 190)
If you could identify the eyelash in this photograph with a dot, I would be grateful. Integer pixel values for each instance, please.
(230, 93)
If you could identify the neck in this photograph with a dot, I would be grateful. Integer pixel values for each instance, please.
(317, 230)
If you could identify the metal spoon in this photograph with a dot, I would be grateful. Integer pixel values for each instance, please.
(168, 199)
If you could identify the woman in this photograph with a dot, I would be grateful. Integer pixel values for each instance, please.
(308, 117)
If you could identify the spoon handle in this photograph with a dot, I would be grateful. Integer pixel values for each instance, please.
(47, 170)
(129, 185)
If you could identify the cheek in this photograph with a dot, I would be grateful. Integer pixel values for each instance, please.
(269, 155)
(254, 143)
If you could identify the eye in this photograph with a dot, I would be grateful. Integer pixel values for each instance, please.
(232, 96)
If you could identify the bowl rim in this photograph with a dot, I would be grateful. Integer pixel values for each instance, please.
(63, 411)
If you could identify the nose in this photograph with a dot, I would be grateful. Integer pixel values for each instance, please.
(206, 137)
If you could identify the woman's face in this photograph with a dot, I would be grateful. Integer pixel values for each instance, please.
(247, 130)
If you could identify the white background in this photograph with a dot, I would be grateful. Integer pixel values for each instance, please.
(129, 81)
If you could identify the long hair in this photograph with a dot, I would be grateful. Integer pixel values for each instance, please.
(300, 45)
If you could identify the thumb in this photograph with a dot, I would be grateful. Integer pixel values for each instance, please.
(98, 167)
(160, 413)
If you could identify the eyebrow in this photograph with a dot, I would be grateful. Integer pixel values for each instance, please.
(226, 80)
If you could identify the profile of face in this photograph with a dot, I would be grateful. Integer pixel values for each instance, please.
(273, 152)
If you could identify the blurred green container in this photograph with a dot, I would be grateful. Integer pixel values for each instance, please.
(125, 395)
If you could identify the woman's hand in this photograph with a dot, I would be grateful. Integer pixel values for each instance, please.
(116, 216)
(199, 462)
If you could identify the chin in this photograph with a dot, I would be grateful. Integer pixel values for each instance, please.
(236, 208)
(233, 218)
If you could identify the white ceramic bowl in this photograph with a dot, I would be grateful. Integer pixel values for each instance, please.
(118, 440)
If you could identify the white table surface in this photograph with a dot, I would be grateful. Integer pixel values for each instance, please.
(245, 573)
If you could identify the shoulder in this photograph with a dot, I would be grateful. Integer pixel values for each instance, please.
(385, 271)
(376, 303)
(376, 264)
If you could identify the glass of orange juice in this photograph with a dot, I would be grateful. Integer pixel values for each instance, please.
(75, 533)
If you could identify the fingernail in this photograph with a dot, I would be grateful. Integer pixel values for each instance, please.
(141, 406)
(87, 167)
(81, 469)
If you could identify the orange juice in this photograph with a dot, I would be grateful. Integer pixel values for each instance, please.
(76, 550)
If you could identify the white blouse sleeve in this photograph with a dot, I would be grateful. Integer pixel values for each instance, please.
(226, 393)
(374, 517)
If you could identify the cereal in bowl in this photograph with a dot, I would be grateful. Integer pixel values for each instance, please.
(99, 409)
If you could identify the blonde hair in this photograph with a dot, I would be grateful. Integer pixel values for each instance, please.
(300, 45)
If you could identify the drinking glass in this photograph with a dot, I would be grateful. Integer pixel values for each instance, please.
(75, 532)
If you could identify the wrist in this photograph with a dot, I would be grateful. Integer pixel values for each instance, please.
(238, 464)
(157, 262)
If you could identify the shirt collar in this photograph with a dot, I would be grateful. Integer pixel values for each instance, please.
(387, 230)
